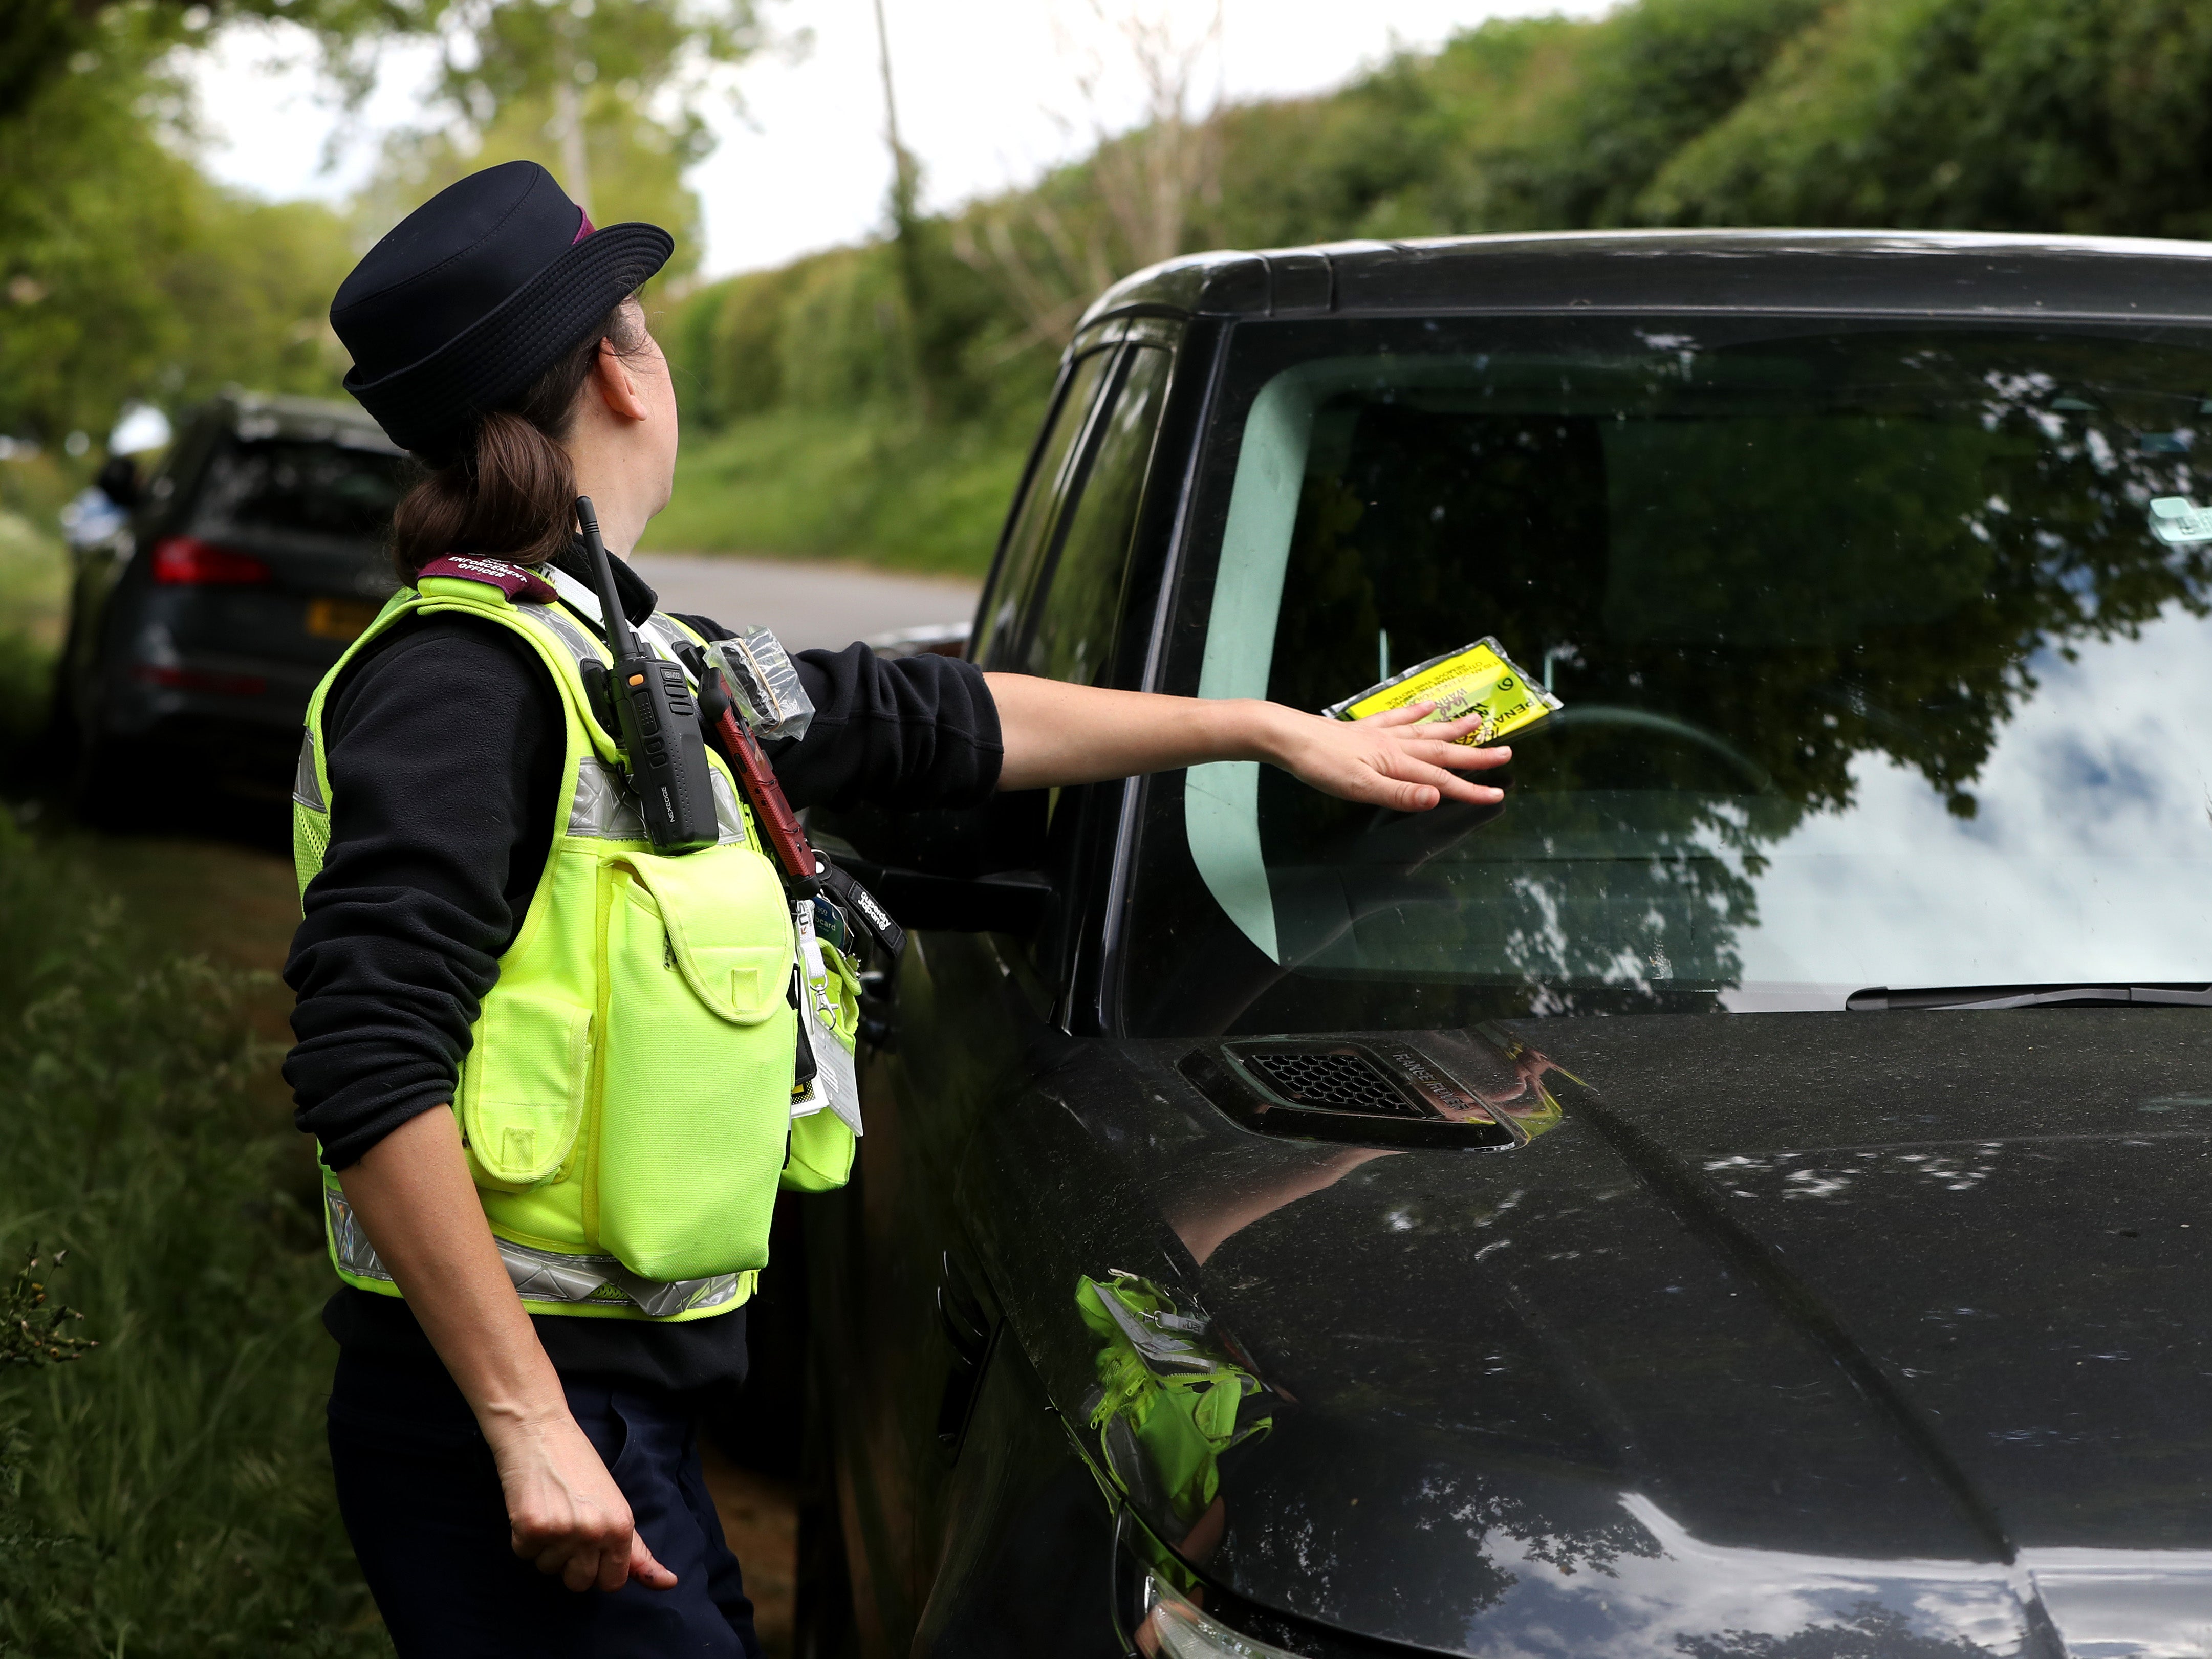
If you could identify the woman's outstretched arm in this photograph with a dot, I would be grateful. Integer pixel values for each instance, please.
(1057, 733)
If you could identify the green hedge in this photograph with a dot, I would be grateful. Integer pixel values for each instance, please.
(876, 484)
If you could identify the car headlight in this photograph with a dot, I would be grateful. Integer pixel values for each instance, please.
(1175, 1628)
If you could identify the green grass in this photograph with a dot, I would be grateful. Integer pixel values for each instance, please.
(885, 489)
(169, 1492)
(34, 584)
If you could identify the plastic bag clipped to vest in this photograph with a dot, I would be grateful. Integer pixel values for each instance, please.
(765, 682)
(1170, 1402)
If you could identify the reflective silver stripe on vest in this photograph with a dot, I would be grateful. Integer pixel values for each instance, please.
(728, 826)
(581, 645)
(306, 790)
(604, 807)
(548, 1275)
(664, 636)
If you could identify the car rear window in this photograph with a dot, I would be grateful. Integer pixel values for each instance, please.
(302, 487)
(1884, 652)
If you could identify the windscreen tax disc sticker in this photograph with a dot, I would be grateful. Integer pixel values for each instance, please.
(2179, 522)
(1475, 679)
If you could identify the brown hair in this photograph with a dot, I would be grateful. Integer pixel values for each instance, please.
(508, 489)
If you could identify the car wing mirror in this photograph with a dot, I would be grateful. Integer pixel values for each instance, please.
(118, 479)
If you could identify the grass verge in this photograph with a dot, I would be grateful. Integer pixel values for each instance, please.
(169, 1493)
(34, 584)
(885, 488)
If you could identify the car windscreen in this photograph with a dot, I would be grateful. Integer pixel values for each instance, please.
(300, 486)
(1882, 650)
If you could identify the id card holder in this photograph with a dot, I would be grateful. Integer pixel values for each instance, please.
(836, 1085)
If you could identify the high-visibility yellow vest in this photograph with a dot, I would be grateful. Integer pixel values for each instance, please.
(625, 1102)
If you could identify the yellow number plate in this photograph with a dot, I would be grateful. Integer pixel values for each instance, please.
(338, 619)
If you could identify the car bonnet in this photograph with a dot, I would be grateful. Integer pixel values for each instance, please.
(1889, 1330)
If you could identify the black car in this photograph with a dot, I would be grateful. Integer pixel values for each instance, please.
(253, 554)
(1727, 1201)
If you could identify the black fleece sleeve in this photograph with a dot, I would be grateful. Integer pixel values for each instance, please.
(444, 758)
(896, 731)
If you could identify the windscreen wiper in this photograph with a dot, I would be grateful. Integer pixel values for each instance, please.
(1880, 998)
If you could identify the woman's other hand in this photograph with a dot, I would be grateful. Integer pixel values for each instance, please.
(564, 1511)
(1388, 759)
(412, 1194)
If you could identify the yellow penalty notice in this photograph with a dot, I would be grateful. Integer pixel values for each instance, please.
(1475, 679)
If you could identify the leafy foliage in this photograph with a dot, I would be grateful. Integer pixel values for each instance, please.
(2087, 116)
(124, 273)
(39, 39)
(164, 287)
(31, 1332)
(604, 93)
(2091, 116)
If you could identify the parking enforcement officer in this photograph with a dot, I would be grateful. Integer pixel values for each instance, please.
(500, 984)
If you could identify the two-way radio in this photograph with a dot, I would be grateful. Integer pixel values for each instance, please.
(662, 748)
(663, 738)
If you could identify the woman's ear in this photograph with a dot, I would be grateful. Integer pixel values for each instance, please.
(618, 387)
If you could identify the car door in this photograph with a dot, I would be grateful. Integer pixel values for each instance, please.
(902, 1321)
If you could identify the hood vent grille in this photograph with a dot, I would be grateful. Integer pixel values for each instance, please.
(1332, 1081)
(1373, 1092)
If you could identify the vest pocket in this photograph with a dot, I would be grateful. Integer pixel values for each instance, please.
(696, 1081)
(821, 1156)
(523, 1088)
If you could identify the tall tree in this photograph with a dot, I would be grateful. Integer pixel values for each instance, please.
(40, 40)
(124, 273)
(1144, 194)
(605, 92)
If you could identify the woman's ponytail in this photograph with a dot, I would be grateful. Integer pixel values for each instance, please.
(510, 492)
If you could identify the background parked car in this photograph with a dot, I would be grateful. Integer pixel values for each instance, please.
(196, 632)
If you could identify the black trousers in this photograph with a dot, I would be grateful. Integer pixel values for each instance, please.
(422, 1503)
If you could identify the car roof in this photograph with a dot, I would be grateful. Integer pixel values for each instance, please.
(256, 416)
(1952, 273)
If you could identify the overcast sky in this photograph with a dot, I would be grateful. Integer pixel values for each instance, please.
(986, 89)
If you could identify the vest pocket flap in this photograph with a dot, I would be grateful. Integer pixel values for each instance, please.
(746, 983)
(728, 927)
(522, 1088)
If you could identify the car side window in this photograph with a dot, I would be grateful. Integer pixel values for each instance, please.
(1031, 532)
(1069, 632)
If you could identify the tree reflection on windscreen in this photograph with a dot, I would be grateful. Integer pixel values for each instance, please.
(1874, 671)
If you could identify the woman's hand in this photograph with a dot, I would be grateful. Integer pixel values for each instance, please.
(564, 1511)
(1388, 759)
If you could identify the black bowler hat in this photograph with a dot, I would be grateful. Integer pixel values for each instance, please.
(476, 294)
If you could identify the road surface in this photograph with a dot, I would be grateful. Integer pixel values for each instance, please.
(806, 604)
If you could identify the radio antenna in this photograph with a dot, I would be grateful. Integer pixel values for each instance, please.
(621, 638)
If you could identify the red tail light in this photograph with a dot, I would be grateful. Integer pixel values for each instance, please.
(188, 561)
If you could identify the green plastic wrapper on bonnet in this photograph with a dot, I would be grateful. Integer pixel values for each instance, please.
(1475, 679)
(1170, 1400)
